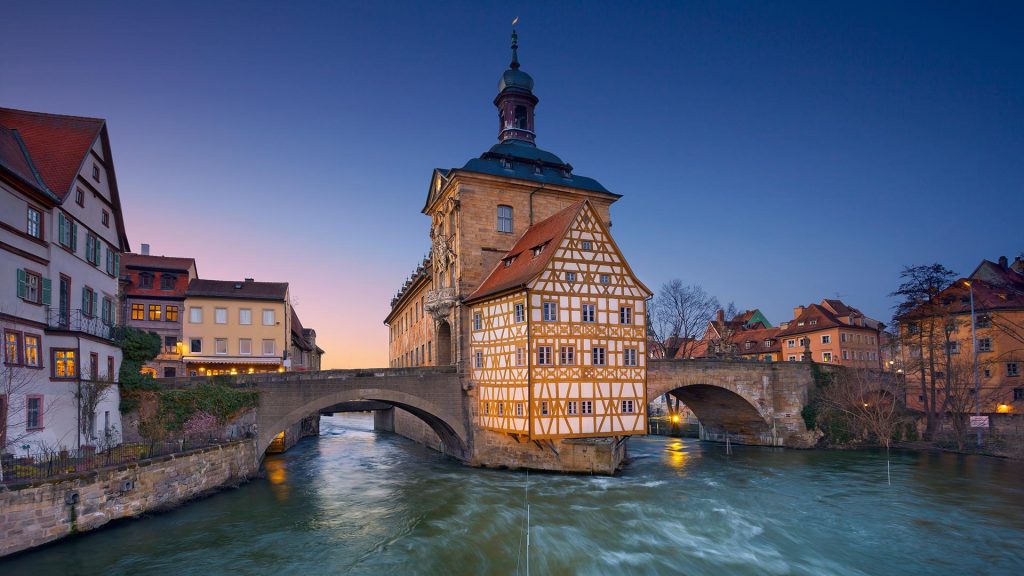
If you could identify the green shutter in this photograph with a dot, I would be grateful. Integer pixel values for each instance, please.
(95, 304)
(117, 264)
(46, 291)
(74, 236)
(61, 226)
(85, 301)
(22, 284)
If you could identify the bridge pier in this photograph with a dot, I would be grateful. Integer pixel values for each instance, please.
(384, 420)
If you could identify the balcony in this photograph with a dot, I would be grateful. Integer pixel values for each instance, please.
(75, 321)
(439, 302)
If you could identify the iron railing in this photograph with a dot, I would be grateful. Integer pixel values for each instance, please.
(76, 320)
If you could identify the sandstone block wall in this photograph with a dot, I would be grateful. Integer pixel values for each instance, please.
(36, 513)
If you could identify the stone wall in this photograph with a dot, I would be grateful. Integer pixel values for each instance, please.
(36, 513)
(577, 455)
(408, 425)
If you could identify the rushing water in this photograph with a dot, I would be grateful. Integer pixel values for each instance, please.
(359, 502)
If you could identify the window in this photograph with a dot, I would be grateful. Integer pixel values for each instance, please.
(487, 407)
(842, 336)
(791, 358)
(79, 197)
(105, 218)
(107, 312)
(769, 343)
(826, 356)
(570, 277)
(519, 408)
(567, 356)
(220, 346)
(269, 318)
(813, 321)
(34, 412)
(597, 356)
(629, 357)
(520, 313)
(170, 344)
(1018, 394)
(95, 172)
(430, 352)
(954, 347)
(113, 262)
(172, 314)
(520, 356)
(195, 315)
(245, 346)
(32, 287)
(544, 408)
(269, 347)
(93, 249)
(627, 406)
(587, 407)
(826, 339)
(170, 372)
(790, 343)
(1012, 369)
(571, 407)
(110, 367)
(983, 321)
(544, 355)
(846, 354)
(195, 346)
(67, 232)
(220, 315)
(12, 348)
(606, 279)
(154, 312)
(34, 226)
(501, 408)
(88, 302)
(537, 250)
(550, 311)
(625, 315)
(64, 363)
(32, 357)
(167, 281)
(988, 373)
(588, 313)
(139, 312)
(984, 344)
(588, 245)
(505, 219)
(245, 316)
(94, 366)
(478, 359)
(748, 344)
(477, 321)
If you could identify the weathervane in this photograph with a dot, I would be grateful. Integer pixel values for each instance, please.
(515, 45)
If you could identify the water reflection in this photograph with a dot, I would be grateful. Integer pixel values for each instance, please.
(358, 502)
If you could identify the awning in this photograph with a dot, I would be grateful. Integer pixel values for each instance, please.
(231, 360)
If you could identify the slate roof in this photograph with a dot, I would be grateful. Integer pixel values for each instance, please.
(130, 259)
(524, 265)
(524, 161)
(57, 144)
(237, 289)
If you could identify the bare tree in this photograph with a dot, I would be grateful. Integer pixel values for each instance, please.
(723, 345)
(17, 382)
(679, 314)
(89, 394)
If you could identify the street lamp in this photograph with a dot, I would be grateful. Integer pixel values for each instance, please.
(974, 348)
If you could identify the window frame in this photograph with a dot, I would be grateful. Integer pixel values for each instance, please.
(38, 224)
(171, 313)
(154, 310)
(549, 311)
(38, 286)
(519, 313)
(192, 348)
(241, 317)
(634, 361)
(273, 317)
(38, 350)
(40, 424)
(567, 356)
(217, 346)
(506, 219)
(18, 348)
(599, 353)
(544, 355)
(626, 315)
(273, 347)
(54, 363)
(241, 349)
(587, 307)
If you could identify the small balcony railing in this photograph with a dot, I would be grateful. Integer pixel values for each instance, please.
(75, 320)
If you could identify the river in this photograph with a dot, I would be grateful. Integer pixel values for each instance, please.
(354, 501)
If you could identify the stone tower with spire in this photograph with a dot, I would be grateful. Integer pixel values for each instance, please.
(477, 213)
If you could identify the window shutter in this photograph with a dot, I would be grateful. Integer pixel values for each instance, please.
(85, 301)
(88, 249)
(46, 291)
(95, 304)
(74, 236)
(22, 284)
(117, 264)
(61, 226)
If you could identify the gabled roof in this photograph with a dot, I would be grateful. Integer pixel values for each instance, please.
(298, 333)
(822, 316)
(995, 275)
(132, 260)
(15, 160)
(244, 290)
(57, 144)
(524, 266)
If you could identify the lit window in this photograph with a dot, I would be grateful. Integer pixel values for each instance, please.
(567, 356)
(588, 313)
(505, 219)
(826, 356)
(172, 314)
(12, 348)
(65, 364)
(32, 357)
(154, 311)
(138, 312)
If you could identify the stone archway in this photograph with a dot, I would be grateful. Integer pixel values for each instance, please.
(443, 343)
(722, 413)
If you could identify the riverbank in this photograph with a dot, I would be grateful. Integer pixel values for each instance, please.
(39, 512)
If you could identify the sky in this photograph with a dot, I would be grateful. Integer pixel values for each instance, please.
(775, 153)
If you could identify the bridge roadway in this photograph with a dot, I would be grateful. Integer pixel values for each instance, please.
(751, 402)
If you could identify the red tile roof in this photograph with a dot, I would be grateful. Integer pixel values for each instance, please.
(58, 145)
(14, 159)
(822, 316)
(524, 265)
(156, 262)
(237, 289)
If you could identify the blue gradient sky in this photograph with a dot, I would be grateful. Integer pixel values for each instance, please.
(776, 153)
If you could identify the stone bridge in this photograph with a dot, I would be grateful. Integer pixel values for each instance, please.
(750, 402)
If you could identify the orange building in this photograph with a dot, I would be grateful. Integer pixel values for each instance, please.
(832, 333)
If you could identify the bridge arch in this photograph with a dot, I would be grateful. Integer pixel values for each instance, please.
(724, 412)
(452, 433)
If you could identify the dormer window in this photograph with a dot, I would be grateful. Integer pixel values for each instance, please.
(566, 174)
(537, 250)
(167, 281)
(769, 343)
(538, 169)
(508, 261)
(145, 280)
(813, 321)
(506, 163)
(749, 344)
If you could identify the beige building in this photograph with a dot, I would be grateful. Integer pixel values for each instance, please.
(236, 327)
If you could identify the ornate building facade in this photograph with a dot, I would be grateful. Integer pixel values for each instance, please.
(487, 220)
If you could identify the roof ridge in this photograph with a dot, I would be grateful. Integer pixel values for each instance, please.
(52, 115)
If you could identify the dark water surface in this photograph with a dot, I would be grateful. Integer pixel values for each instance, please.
(359, 502)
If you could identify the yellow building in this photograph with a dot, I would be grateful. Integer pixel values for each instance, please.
(558, 334)
(236, 327)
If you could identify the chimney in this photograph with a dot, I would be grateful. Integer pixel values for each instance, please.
(720, 316)
(249, 280)
(145, 249)
(797, 312)
(1003, 262)
(1018, 265)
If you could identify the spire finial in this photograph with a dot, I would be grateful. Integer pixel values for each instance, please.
(515, 45)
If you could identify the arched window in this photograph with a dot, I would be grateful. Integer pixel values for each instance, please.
(521, 118)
